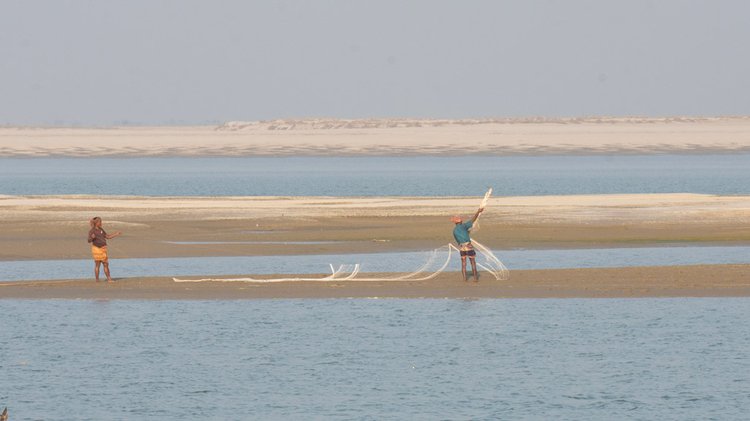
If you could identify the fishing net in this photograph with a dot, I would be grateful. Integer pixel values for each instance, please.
(419, 266)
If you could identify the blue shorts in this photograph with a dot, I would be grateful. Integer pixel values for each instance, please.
(467, 249)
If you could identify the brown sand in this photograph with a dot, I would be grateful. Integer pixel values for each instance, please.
(681, 281)
(54, 227)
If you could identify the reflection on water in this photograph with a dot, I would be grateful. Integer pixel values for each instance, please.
(373, 262)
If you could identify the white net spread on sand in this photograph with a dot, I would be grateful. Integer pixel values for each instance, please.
(436, 261)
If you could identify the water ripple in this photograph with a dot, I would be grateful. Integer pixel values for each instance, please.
(374, 359)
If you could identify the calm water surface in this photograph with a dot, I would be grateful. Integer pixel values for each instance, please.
(671, 359)
(373, 262)
(378, 176)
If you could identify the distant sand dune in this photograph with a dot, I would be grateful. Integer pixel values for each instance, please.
(387, 137)
(332, 124)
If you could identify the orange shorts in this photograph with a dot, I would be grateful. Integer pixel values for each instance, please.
(99, 253)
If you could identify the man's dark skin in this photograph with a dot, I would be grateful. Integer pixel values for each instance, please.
(457, 220)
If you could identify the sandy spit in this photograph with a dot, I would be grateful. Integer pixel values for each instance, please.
(55, 227)
(666, 281)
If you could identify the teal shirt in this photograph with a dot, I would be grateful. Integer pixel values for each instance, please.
(461, 232)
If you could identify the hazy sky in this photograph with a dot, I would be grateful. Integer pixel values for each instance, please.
(184, 62)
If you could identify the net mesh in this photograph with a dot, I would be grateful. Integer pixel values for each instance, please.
(424, 266)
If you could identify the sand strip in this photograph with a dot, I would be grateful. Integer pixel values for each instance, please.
(55, 227)
(667, 281)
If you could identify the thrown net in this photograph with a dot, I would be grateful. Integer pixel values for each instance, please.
(487, 261)
(404, 267)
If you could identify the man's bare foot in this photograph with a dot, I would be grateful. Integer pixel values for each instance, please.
(110, 280)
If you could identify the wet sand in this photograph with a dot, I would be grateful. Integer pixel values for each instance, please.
(55, 227)
(675, 281)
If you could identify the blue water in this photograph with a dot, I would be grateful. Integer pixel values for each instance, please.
(572, 359)
(374, 262)
(378, 176)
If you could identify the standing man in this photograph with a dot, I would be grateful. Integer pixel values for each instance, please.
(98, 239)
(461, 234)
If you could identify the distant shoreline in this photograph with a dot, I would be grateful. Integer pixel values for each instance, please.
(328, 123)
(389, 137)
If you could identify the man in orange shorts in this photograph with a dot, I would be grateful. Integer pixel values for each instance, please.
(98, 239)
(461, 234)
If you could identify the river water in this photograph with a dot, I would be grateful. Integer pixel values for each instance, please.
(575, 359)
(378, 176)
(371, 262)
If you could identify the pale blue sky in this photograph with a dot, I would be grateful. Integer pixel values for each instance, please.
(186, 62)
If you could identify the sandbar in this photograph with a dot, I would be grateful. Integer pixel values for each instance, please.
(634, 282)
(55, 227)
